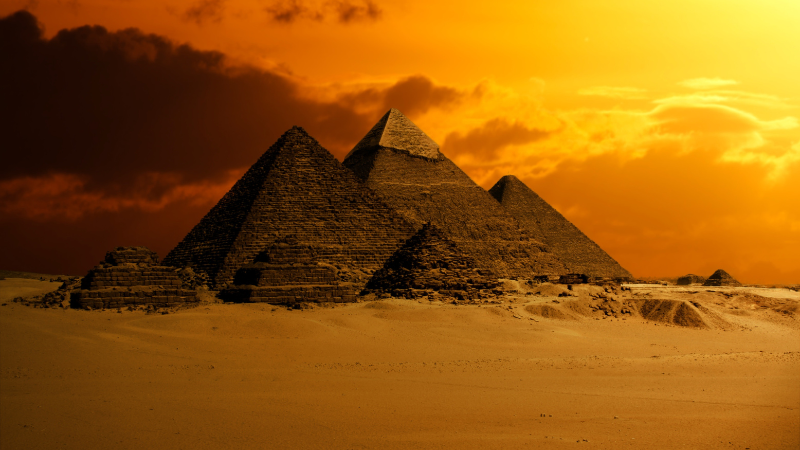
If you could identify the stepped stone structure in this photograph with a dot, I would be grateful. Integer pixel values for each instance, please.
(580, 254)
(429, 262)
(405, 167)
(721, 278)
(690, 279)
(131, 276)
(296, 188)
(286, 273)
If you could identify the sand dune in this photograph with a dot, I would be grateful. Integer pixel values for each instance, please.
(408, 374)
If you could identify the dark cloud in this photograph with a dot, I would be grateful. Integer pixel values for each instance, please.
(344, 11)
(491, 137)
(289, 11)
(414, 95)
(203, 11)
(129, 125)
(353, 12)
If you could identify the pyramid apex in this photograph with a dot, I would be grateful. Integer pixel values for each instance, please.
(396, 131)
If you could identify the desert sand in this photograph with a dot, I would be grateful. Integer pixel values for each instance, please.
(533, 371)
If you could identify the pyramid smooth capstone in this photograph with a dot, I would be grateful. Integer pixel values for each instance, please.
(580, 254)
(435, 190)
(396, 131)
(296, 188)
(721, 278)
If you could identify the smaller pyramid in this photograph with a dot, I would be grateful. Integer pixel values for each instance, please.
(721, 278)
(427, 262)
(131, 276)
(396, 131)
(288, 273)
(690, 279)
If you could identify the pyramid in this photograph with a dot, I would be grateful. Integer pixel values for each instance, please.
(131, 276)
(286, 273)
(690, 279)
(721, 278)
(429, 261)
(579, 253)
(405, 167)
(296, 188)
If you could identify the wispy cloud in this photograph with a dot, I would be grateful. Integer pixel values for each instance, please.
(730, 97)
(342, 11)
(707, 83)
(615, 92)
(203, 11)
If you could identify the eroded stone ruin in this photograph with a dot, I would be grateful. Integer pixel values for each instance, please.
(431, 263)
(580, 254)
(296, 188)
(131, 276)
(721, 278)
(288, 273)
(690, 279)
(405, 167)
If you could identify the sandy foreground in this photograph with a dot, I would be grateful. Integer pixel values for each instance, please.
(403, 374)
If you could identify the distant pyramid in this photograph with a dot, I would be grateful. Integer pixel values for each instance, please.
(575, 249)
(296, 188)
(690, 279)
(404, 166)
(721, 278)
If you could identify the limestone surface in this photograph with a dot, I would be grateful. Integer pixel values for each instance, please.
(397, 132)
(296, 188)
(427, 189)
(576, 250)
(721, 278)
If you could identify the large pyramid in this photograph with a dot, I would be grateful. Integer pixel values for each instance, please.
(404, 166)
(296, 188)
(575, 249)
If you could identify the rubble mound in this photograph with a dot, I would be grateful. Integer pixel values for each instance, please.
(295, 188)
(690, 279)
(131, 276)
(406, 169)
(429, 262)
(288, 273)
(674, 312)
(548, 312)
(578, 252)
(721, 278)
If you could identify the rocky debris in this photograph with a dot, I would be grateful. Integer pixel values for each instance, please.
(429, 264)
(287, 273)
(296, 188)
(674, 312)
(423, 185)
(579, 253)
(131, 276)
(721, 278)
(690, 279)
(573, 278)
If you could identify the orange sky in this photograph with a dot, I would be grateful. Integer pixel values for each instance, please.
(669, 133)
